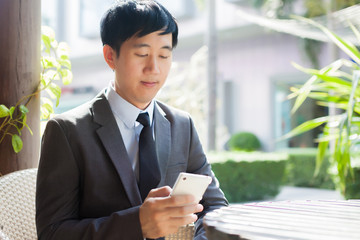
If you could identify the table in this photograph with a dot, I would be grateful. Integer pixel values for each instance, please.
(311, 219)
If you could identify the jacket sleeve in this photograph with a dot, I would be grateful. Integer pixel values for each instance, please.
(213, 197)
(58, 194)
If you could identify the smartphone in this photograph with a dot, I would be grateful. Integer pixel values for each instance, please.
(191, 184)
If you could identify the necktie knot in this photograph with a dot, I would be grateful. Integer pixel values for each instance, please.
(144, 119)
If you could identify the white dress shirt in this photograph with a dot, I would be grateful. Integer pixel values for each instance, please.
(125, 115)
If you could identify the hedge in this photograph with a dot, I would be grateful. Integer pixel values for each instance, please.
(255, 176)
(353, 187)
(248, 176)
(300, 169)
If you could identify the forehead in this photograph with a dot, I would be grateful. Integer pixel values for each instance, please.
(154, 39)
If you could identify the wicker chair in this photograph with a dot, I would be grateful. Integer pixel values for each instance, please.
(17, 205)
(2, 236)
(17, 208)
(184, 233)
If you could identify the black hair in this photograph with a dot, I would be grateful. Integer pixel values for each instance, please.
(128, 18)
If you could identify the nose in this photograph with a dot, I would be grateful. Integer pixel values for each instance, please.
(152, 66)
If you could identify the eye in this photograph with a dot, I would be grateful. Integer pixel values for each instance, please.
(164, 57)
(141, 55)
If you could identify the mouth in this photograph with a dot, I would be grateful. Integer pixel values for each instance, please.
(148, 84)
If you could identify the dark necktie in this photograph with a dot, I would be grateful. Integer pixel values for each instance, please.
(149, 173)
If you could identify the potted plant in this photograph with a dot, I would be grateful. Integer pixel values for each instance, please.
(55, 66)
(336, 86)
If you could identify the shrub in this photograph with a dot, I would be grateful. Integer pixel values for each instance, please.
(244, 141)
(300, 169)
(248, 176)
(353, 186)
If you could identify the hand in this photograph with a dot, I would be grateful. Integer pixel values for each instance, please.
(162, 214)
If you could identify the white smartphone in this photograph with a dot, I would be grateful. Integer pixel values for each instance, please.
(192, 184)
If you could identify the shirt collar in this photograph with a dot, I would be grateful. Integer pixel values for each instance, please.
(127, 112)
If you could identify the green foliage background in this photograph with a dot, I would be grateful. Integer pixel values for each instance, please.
(244, 141)
(249, 176)
(300, 168)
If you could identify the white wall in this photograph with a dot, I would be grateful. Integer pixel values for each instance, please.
(250, 63)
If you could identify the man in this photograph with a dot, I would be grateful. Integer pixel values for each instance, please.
(92, 168)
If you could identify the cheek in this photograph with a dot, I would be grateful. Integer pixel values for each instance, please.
(131, 69)
(166, 68)
(128, 63)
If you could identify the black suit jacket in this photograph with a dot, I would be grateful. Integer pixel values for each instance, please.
(86, 187)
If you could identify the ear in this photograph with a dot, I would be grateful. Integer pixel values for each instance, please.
(110, 56)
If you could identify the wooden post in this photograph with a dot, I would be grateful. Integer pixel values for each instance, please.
(20, 75)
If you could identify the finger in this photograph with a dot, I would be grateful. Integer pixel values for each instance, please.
(160, 192)
(190, 209)
(184, 220)
(159, 199)
(185, 210)
(199, 208)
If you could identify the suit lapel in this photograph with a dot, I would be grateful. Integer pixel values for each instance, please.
(162, 139)
(111, 138)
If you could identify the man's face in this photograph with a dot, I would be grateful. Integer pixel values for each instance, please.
(142, 67)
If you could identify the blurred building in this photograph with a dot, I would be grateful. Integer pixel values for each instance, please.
(254, 64)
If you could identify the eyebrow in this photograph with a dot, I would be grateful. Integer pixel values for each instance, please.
(140, 45)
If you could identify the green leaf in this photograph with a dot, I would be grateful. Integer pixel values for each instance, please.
(322, 147)
(326, 76)
(64, 57)
(50, 62)
(46, 110)
(51, 75)
(355, 30)
(54, 44)
(47, 43)
(342, 75)
(66, 76)
(327, 138)
(4, 111)
(48, 32)
(23, 109)
(55, 92)
(344, 45)
(350, 108)
(48, 38)
(44, 80)
(23, 121)
(302, 93)
(46, 100)
(63, 50)
(332, 79)
(306, 126)
(324, 96)
(27, 126)
(11, 112)
(307, 87)
(17, 143)
(342, 105)
(65, 63)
